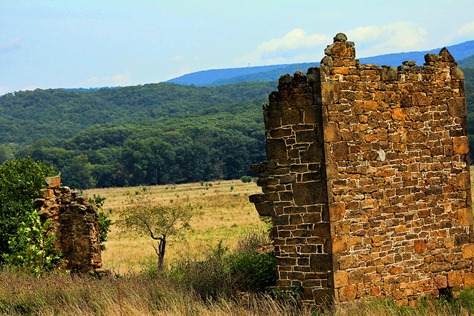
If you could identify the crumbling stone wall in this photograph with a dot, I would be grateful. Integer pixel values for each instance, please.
(75, 223)
(367, 179)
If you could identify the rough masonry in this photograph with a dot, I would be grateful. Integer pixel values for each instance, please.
(367, 179)
(74, 221)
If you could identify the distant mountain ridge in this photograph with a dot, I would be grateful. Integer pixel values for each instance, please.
(273, 72)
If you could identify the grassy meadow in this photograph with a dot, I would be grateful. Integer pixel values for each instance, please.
(222, 213)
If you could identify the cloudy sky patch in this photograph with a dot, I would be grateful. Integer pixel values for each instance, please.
(118, 80)
(467, 29)
(295, 46)
(60, 43)
(390, 38)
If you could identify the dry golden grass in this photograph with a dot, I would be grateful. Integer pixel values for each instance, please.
(60, 294)
(222, 212)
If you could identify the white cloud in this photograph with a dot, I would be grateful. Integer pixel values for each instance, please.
(299, 46)
(389, 38)
(293, 40)
(124, 79)
(294, 46)
(178, 58)
(467, 29)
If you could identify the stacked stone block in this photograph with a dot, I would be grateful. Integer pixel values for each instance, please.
(74, 221)
(367, 179)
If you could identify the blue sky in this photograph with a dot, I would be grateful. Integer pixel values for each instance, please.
(94, 43)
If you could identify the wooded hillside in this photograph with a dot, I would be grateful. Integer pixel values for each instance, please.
(143, 135)
(151, 134)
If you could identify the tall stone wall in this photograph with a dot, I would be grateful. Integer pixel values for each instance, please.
(367, 179)
(74, 221)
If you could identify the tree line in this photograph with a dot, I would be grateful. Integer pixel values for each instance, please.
(143, 135)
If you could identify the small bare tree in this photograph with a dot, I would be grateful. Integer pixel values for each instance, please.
(159, 222)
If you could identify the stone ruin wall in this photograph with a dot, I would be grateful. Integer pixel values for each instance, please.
(367, 179)
(74, 221)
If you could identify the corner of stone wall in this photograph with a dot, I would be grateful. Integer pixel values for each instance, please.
(367, 179)
(294, 190)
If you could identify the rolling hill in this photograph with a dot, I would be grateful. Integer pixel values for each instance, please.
(158, 133)
(273, 72)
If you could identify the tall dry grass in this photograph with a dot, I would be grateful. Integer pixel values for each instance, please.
(140, 294)
(222, 213)
(59, 294)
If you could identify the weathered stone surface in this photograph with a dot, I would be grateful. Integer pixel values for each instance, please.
(340, 37)
(420, 246)
(75, 223)
(309, 193)
(47, 193)
(53, 182)
(456, 73)
(446, 55)
(340, 279)
(367, 179)
(461, 145)
(389, 73)
(468, 251)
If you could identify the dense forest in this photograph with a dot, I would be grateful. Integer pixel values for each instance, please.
(149, 134)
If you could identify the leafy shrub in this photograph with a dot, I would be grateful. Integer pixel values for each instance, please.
(20, 182)
(466, 299)
(253, 242)
(104, 227)
(32, 248)
(246, 179)
(103, 219)
(223, 274)
(292, 295)
(251, 268)
(252, 271)
(209, 278)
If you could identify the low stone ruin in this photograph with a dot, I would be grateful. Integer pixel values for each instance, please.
(74, 221)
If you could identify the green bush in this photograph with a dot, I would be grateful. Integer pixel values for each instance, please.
(20, 182)
(103, 219)
(246, 179)
(209, 278)
(466, 299)
(252, 271)
(223, 274)
(291, 295)
(251, 268)
(32, 248)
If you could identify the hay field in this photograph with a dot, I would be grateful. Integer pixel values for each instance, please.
(222, 212)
